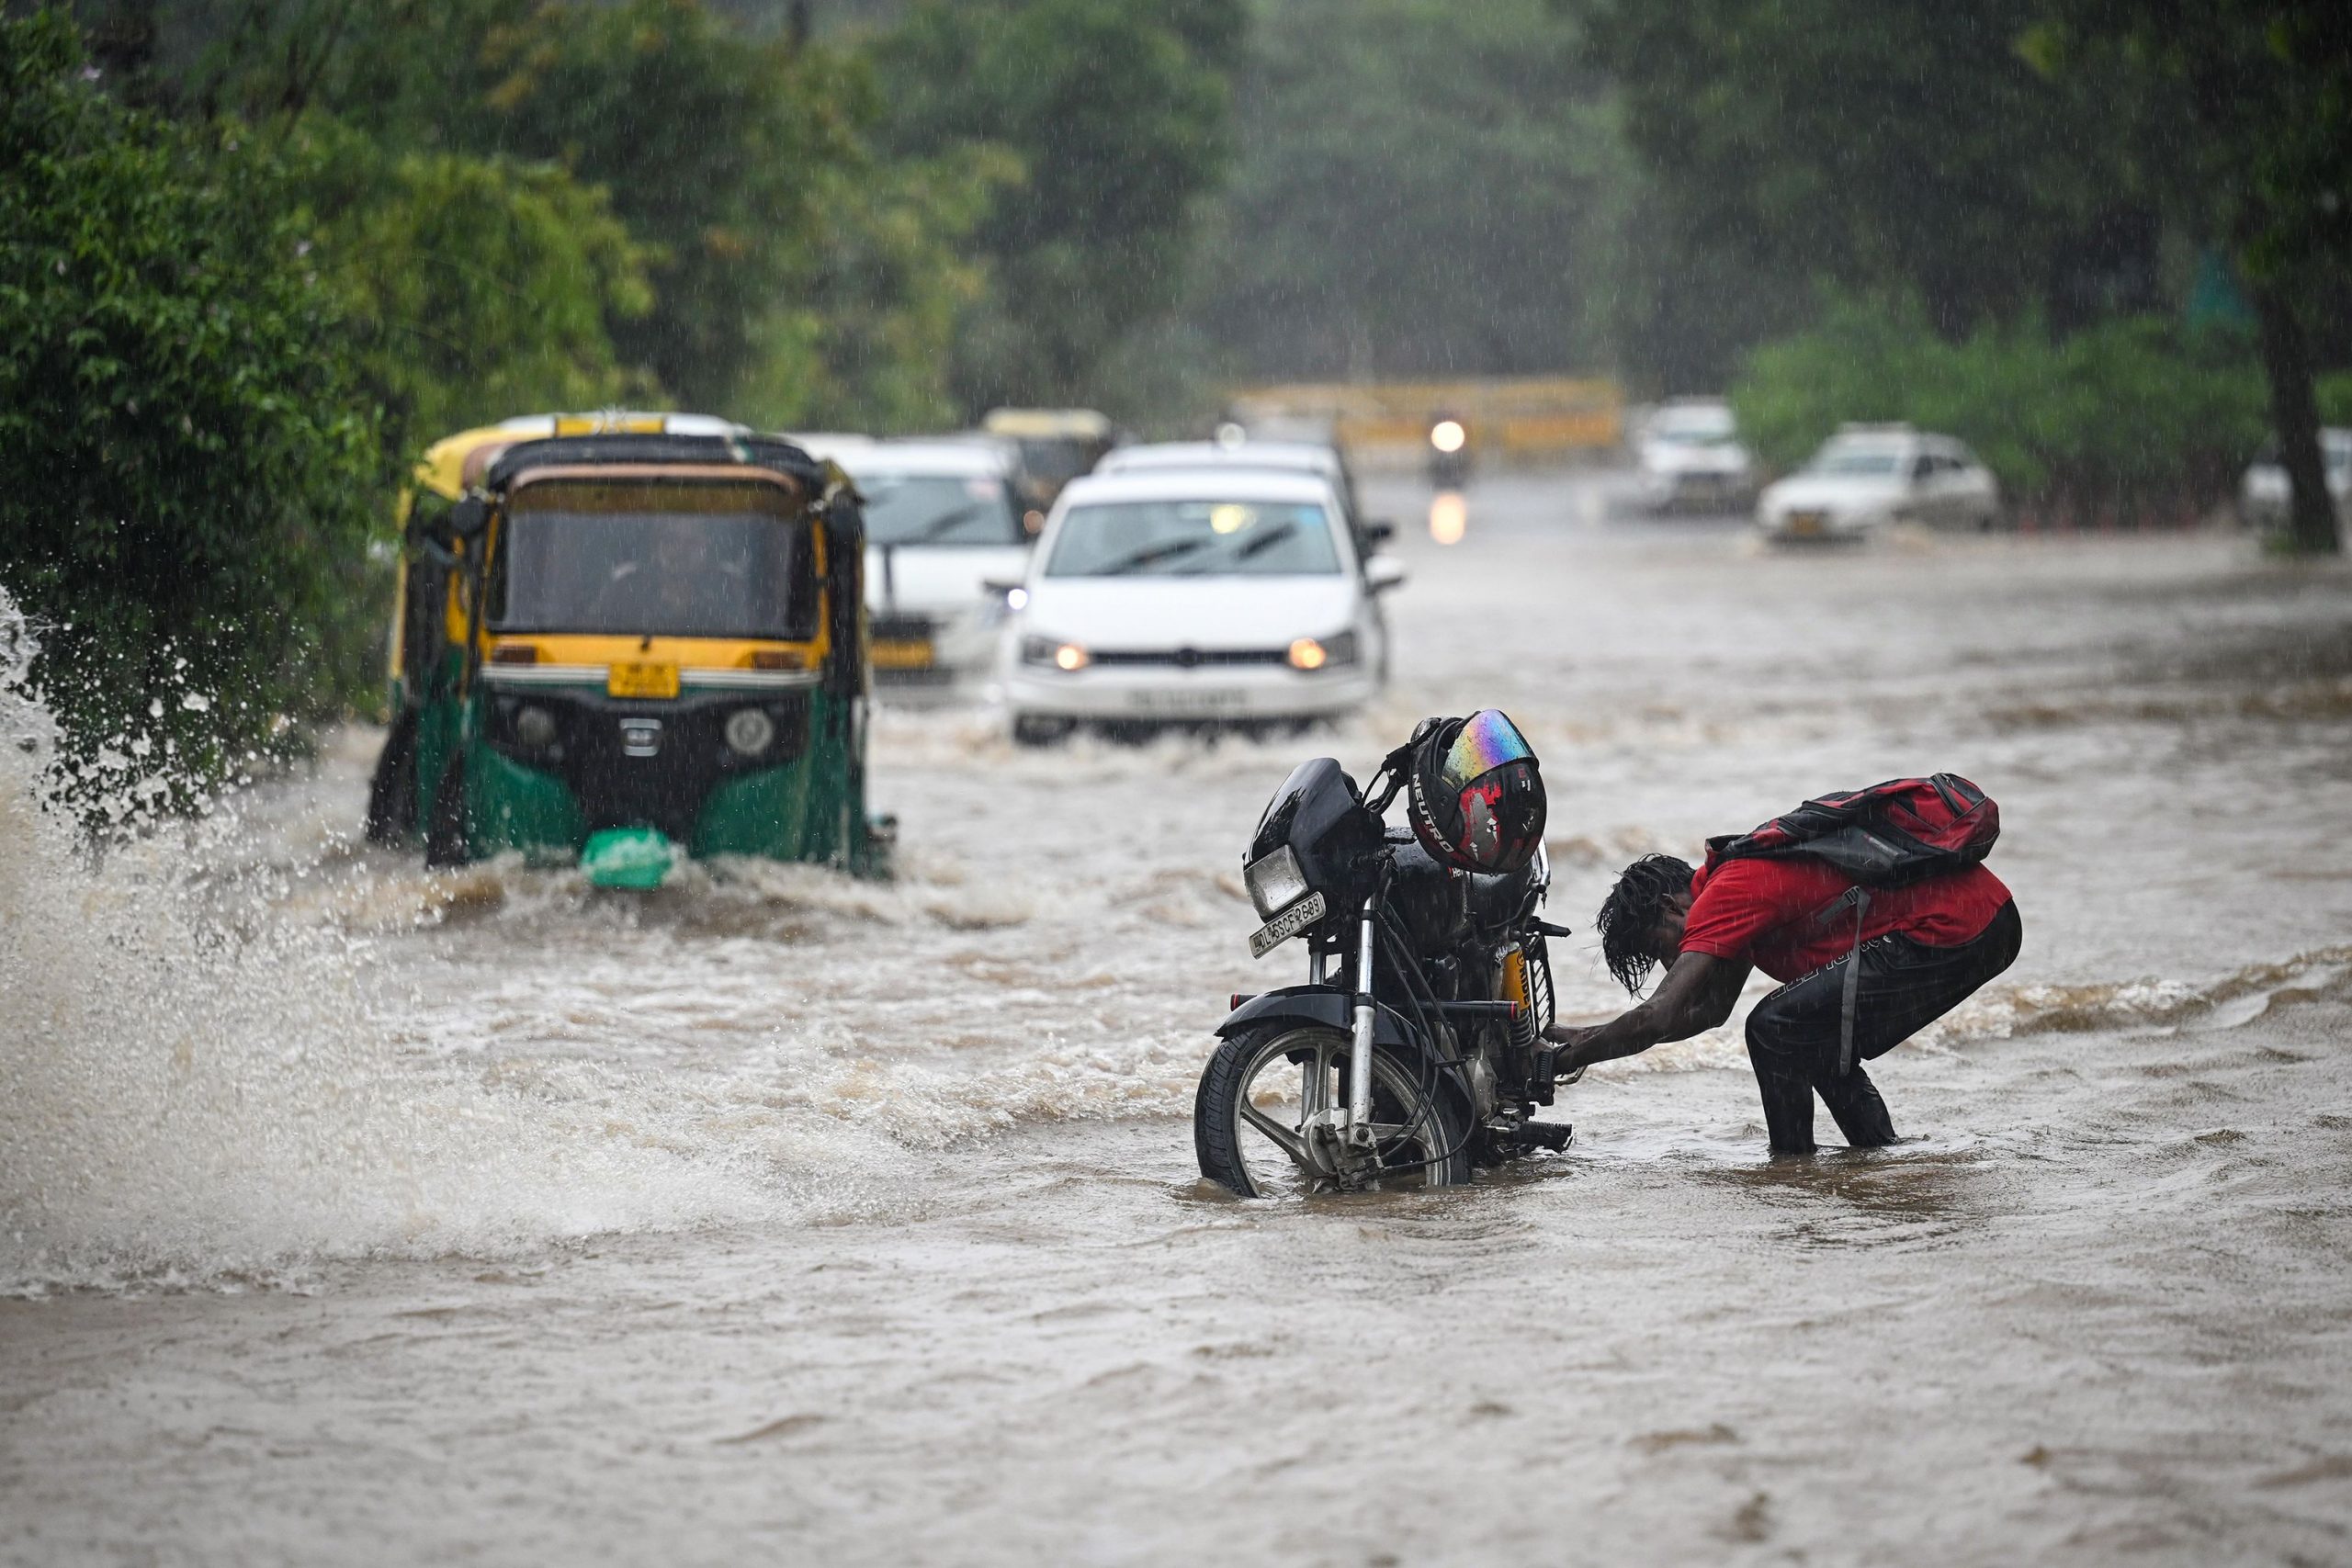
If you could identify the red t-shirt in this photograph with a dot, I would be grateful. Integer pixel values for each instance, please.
(1764, 912)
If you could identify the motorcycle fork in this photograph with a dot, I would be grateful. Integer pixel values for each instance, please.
(1358, 1131)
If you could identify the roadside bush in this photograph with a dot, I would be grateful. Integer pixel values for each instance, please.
(2133, 414)
(186, 466)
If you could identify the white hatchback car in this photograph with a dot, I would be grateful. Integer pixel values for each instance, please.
(942, 520)
(1868, 476)
(1198, 597)
(1692, 457)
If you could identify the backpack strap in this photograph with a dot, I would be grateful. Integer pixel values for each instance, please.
(1857, 898)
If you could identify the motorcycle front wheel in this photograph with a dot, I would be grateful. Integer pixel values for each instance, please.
(1261, 1085)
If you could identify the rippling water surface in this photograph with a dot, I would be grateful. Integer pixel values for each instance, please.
(483, 1214)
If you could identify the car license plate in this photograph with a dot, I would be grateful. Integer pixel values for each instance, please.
(1184, 703)
(1806, 525)
(642, 680)
(907, 653)
(1286, 925)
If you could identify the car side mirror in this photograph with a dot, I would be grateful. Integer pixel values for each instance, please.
(1378, 532)
(1382, 573)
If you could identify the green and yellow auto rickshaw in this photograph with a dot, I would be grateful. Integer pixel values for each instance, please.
(627, 640)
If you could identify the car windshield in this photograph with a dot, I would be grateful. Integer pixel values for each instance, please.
(938, 509)
(653, 559)
(1195, 539)
(1836, 459)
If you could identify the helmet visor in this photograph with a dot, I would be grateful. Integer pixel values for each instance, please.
(1488, 740)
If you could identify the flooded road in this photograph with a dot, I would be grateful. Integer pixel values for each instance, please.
(358, 1212)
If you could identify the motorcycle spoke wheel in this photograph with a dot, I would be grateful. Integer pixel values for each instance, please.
(1259, 1088)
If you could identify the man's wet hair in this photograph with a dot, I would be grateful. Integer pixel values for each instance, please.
(1631, 911)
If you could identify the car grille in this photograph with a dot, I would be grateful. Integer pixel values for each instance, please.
(1191, 657)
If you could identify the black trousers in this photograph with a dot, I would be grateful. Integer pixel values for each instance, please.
(1792, 1035)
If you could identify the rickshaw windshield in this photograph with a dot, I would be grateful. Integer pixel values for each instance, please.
(664, 558)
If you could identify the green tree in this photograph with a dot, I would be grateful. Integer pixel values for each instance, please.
(187, 468)
(1116, 112)
(2127, 417)
(1422, 187)
(2261, 93)
(474, 288)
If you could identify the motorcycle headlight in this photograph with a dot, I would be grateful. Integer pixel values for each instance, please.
(1275, 882)
(1055, 654)
(1323, 653)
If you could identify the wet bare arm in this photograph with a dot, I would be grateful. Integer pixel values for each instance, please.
(1697, 993)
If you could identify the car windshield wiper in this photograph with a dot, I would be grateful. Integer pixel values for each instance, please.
(1149, 556)
(1266, 540)
(940, 527)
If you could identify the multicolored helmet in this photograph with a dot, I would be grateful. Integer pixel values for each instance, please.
(1476, 795)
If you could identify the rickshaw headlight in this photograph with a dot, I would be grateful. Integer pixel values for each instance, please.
(750, 731)
(536, 727)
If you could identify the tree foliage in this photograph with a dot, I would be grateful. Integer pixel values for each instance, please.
(2133, 416)
(1114, 112)
(1421, 187)
(188, 467)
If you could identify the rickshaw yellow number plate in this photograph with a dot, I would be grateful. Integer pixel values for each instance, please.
(906, 654)
(642, 680)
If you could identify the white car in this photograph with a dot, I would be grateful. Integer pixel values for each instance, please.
(943, 522)
(1199, 597)
(1868, 476)
(2262, 494)
(1690, 457)
(1286, 457)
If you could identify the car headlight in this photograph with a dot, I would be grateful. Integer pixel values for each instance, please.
(1054, 653)
(750, 731)
(1323, 653)
(1275, 882)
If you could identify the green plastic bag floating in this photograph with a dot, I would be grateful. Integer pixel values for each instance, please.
(633, 858)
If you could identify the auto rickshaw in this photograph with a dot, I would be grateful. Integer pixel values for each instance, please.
(1055, 446)
(625, 640)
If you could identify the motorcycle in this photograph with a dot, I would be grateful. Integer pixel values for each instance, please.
(1449, 441)
(1423, 1056)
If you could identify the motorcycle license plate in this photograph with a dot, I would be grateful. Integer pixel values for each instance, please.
(1286, 925)
(642, 680)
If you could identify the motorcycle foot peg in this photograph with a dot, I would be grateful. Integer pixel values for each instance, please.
(1553, 1135)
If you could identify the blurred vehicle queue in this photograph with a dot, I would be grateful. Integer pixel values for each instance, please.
(1250, 579)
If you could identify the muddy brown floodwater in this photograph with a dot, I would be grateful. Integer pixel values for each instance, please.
(359, 1215)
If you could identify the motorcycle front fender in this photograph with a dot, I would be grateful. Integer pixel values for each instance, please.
(1326, 1005)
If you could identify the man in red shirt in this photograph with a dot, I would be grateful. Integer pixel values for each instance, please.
(1924, 948)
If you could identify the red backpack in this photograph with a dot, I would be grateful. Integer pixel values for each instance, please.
(1889, 835)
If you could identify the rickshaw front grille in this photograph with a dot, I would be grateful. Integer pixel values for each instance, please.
(627, 773)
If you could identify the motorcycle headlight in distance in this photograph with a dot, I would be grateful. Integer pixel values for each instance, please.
(1068, 656)
(750, 731)
(1448, 437)
(1275, 882)
(1323, 653)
